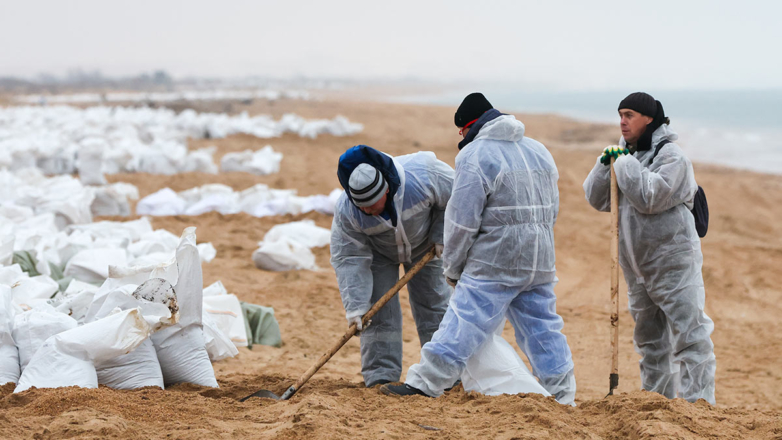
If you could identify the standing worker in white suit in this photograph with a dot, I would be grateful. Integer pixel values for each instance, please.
(659, 250)
(390, 214)
(499, 253)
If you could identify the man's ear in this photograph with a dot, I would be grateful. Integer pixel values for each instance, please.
(651, 119)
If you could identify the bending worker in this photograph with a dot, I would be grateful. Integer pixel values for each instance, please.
(499, 253)
(391, 213)
(659, 250)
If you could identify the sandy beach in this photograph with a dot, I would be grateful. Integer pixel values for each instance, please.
(742, 256)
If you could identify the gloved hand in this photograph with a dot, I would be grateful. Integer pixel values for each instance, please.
(451, 282)
(438, 250)
(612, 151)
(359, 325)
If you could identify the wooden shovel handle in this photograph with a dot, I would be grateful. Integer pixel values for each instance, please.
(365, 320)
(614, 278)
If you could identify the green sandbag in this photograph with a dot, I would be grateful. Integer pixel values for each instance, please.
(27, 262)
(261, 325)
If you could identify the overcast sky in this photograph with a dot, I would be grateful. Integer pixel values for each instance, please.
(575, 45)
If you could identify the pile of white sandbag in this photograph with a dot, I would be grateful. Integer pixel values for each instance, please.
(83, 251)
(288, 246)
(258, 201)
(184, 95)
(64, 140)
(144, 326)
(261, 162)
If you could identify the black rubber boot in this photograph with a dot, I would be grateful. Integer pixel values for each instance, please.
(378, 382)
(401, 390)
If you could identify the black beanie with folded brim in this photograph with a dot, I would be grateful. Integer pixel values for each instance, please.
(640, 102)
(473, 106)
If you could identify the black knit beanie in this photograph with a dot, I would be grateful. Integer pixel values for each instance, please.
(641, 102)
(473, 106)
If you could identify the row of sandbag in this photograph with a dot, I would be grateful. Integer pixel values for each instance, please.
(27, 192)
(184, 95)
(143, 327)
(57, 233)
(126, 139)
(258, 201)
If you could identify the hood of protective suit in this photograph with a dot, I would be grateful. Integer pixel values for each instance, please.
(503, 128)
(663, 132)
(384, 163)
(475, 129)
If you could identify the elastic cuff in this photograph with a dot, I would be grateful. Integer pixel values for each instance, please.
(354, 313)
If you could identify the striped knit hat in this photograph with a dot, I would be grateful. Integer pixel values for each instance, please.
(367, 185)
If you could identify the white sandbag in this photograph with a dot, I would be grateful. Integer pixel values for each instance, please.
(304, 232)
(218, 344)
(181, 348)
(283, 255)
(226, 312)
(207, 252)
(9, 275)
(224, 204)
(28, 292)
(75, 305)
(113, 199)
(131, 230)
(92, 265)
(163, 202)
(14, 212)
(200, 161)
(215, 288)
(9, 354)
(33, 327)
(75, 287)
(155, 241)
(7, 250)
(137, 369)
(262, 162)
(154, 259)
(140, 368)
(90, 162)
(73, 353)
(496, 369)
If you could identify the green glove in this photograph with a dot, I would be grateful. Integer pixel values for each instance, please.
(612, 151)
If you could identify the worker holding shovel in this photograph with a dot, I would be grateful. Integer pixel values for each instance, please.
(659, 250)
(499, 253)
(390, 214)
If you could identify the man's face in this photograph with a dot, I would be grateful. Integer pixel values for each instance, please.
(378, 207)
(633, 125)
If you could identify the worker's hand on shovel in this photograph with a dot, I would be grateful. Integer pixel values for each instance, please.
(438, 250)
(612, 151)
(359, 325)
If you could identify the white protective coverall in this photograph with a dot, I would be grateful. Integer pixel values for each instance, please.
(660, 255)
(366, 252)
(499, 244)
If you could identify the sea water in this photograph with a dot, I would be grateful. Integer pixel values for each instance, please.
(740, 129)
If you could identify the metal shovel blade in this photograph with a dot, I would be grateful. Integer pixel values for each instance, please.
(265, 394)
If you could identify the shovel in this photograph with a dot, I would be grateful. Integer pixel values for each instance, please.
(346, 337)
(614, 377)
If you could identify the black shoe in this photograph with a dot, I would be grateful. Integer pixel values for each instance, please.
(401, 390)
(455, 384)
(378, 382)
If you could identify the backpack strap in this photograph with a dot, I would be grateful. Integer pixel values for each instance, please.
(659, 147)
